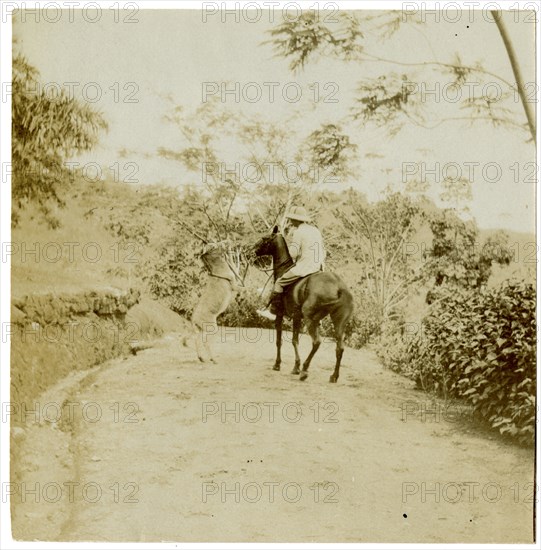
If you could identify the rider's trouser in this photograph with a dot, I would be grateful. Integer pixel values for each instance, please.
(286, 279)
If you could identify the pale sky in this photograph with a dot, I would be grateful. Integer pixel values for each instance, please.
(174, 52)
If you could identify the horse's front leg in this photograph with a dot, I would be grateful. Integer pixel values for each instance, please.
(278, 327)
(297, 323)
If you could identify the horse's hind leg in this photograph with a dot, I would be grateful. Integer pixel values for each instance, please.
(198, 337)
(339, 320)
(339, 353)
(313, 330)
(202, 340)
(206, 339)
(297, 323)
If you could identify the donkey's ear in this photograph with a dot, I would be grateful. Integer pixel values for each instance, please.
(275, 230)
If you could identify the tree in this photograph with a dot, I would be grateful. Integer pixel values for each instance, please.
(271, 167)
(456, 258)
(46, 131)
(457, 192)
(392, 99)
(530, 115)
(379, 233)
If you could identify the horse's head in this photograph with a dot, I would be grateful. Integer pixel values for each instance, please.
(267, 245)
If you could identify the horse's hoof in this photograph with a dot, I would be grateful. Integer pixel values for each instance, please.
(295, 371)
(276, 367)
(303, 376)
(333, 379)
(212, 360)
(202, 359)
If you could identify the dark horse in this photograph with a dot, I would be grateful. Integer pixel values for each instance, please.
(310, 299)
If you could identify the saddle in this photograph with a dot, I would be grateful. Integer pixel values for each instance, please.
(295, 290)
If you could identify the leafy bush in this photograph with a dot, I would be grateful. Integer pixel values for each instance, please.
(366, 321)
(454, 257)
(391, 348)
(479, 346)
(173, 275)
(358, 331)
(242, 311)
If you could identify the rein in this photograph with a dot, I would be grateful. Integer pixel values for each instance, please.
(272, 271)
(282, 264)
(288, 259)
(235, 273)
(265, 285)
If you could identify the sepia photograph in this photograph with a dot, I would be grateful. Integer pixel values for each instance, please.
(269, 274)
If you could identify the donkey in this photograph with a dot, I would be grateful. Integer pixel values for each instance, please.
(215, 299)
(310, 299)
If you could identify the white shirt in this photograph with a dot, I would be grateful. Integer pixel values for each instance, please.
(307, 250)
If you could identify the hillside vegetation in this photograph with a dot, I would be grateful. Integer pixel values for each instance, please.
(403, 256)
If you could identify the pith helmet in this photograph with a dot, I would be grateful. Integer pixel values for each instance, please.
(298, 213)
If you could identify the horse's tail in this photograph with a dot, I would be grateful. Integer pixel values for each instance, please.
(346, 299)
(308, 282)
(335, 300)
(342, 299)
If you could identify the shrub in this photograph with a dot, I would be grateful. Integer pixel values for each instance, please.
(173, 276)
(359, 330)
(242, 311)
(390, 346)
(479, 346)
(366, 321)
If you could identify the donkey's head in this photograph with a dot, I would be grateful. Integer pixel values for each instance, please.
(214, 255)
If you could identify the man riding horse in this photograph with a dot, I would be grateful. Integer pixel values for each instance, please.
(307, 250)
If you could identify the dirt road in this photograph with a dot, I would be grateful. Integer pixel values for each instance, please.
(236, 452)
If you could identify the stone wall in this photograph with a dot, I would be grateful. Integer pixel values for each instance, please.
(53, 335)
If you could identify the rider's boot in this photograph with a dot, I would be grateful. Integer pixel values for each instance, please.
(273, 307)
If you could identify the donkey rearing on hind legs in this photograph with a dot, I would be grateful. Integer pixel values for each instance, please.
(215, 298)
(310, 299)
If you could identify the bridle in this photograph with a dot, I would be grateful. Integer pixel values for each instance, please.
(271, 270)
(274, 267)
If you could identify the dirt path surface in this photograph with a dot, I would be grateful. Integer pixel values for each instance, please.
(234, 451)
